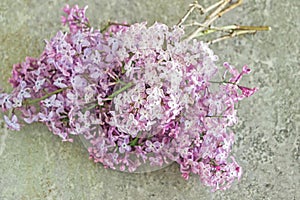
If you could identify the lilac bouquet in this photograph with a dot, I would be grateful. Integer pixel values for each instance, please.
(135, 94)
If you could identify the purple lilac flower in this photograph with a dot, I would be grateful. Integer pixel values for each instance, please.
(138, 94)
(5, 101)
(12, 123)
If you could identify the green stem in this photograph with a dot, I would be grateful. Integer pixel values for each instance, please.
(104, 28)
(45, 97)
(215, 116)
(118, 24)
(134, 142)
(95, 103)
(10, 113)
(92, 106)
(222, 82)
(119, 91)
(109, 23)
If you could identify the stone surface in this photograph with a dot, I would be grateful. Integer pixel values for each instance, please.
(35, 164)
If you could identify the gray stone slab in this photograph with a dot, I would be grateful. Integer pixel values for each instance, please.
(35, 164)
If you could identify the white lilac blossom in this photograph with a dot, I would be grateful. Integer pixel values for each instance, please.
(137, 93)
(12, 123)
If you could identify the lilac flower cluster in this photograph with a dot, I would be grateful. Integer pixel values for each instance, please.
(137, 94)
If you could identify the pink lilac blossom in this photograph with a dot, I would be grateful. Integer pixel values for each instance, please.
(137, 94)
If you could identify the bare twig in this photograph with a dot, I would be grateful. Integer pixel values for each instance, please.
(202, 10)
(233, 34)
(239, 2)
(110, 23)
(233, 30)
(194, 24)
(218, 9)
(221, 10)
(257, 28)
(229, 28)
(187, 14)
(213, 6)
(199, 7)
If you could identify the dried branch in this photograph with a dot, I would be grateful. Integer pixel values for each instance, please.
(214, 12)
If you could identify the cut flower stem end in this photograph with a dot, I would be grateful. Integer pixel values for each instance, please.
(212, 13)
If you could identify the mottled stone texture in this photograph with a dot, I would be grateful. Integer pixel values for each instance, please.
(34, 164)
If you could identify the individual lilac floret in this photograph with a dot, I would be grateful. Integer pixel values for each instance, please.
(12, 123)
